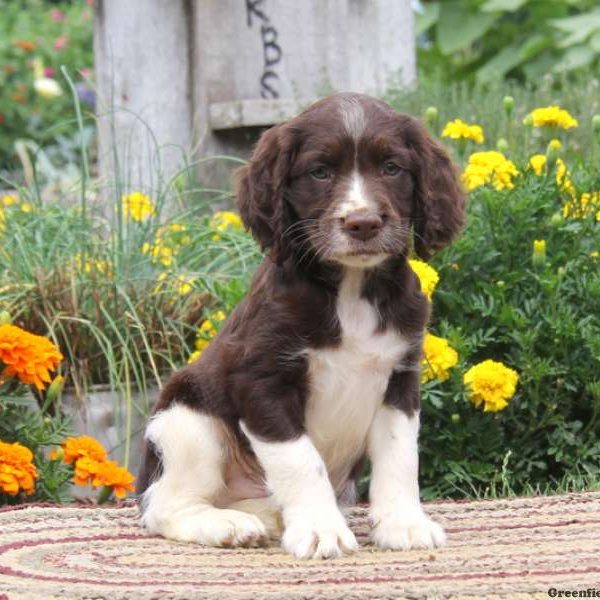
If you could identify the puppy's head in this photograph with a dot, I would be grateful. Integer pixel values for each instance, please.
(350, 181)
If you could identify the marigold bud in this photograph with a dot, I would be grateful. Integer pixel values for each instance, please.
(509, 103)
(528, 120)
(55, 388)
(502, 145)
(553, 152)
(455, 418)
(431, 116)
(596, 123)
(539, 253)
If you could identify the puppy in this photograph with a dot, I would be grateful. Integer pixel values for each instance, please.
(319, 366)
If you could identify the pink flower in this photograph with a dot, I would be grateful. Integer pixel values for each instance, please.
(90, 2)
(61, 42)
(49, 72)
(85, 73)
(57, 15)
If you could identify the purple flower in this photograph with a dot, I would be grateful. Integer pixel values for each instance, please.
(86, 94)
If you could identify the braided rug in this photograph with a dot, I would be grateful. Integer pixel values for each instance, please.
(512, 548)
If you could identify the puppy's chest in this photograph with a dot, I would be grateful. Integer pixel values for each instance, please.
(348, 382)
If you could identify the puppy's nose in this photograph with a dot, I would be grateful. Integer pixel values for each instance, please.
(362, 226)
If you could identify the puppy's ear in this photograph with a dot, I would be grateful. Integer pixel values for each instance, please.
(439, 210)
(260, 188)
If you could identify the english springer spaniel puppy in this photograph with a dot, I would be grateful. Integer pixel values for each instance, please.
(319, 366)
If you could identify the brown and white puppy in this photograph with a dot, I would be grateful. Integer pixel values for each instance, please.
(319, 365)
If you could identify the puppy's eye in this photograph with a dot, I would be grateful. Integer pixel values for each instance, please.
(320, 173)
(389, 167)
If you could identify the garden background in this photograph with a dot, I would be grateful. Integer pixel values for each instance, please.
(123, 286)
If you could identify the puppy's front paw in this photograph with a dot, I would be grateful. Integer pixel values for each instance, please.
(315, 536)
(403, 532)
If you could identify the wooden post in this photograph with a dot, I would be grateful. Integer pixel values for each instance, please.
(212, 74)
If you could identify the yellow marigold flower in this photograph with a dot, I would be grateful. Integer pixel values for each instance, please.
(26, 207)
(185, 284)
(539, 246)
(160, 252)
(428, 276)
(459, 130)
(538, 163)
(588, 203)
(17, 471)
(491, 385)
(224, 220)
(194, 356)
(489, 167)
(553, 116)
(439, 357)
(83, 446)
(137, 206)
(201, 344)
(218, 315)
(27, 356)
(9, 199)
(92, 265)
(110, 474)
(209, 329)
(555, 144)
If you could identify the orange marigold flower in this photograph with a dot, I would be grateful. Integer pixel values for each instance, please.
(28, 356)
(86, 470)
(26, 45)
(83, 446)
(110, 474)
(17, 471)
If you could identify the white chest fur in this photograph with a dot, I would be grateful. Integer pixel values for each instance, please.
(348, 383)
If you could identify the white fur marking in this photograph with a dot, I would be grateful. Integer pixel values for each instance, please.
(357, 197)
(296, 474)
(179, 505)
(353, 117)
(398, 519)
(348, 382)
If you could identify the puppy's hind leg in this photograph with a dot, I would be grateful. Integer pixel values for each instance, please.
(180, 504)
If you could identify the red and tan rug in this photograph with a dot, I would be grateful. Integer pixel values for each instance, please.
(514, 548)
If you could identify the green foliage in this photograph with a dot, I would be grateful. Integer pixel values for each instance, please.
(39, 431)
(493, 39)
(125, 306)
(494, 301)
(476, 103)
(29, 33)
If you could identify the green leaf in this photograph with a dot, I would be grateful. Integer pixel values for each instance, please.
(575, 57)
(458, 27)
(595, 41)
(428, 17)
(577, 37)
(502, 5)
(502, 63)
(584, 22)
(534, 45)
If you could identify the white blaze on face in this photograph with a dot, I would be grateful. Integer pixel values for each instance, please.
(357, 197)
